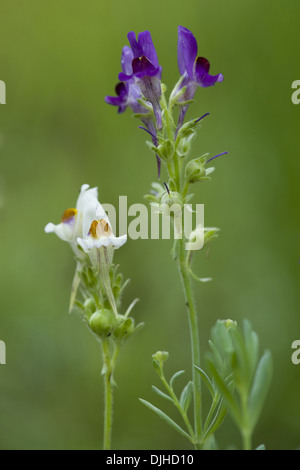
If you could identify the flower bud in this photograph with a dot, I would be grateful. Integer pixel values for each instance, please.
(171, 204)
(200, 237)
(103, 322)
(229, 323)
(165, 150)
(90, 306)
(125, 327)
(161, 356)
(194, 171)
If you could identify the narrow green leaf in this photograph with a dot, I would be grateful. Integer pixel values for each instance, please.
(186, 396)
(226, 394)
(166, 418)
(161, 394)
(217, 420)
(175, 376)
(240, 363)
(221, 338)
(260, 387)
(252, 346)
(215, 357)
(206, 380)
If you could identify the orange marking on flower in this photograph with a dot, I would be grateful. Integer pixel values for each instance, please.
(93, 229)
(99, 229)
(68, 214)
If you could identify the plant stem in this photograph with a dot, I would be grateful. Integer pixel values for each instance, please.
(194, 334)
(108, 394)
(178, 406)
(247, 440)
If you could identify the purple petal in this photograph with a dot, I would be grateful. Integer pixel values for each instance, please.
(202, 76)
(124, 78)
(187, 51)
(134, 44)
(126, 60)
(120, 100)
(147, 48)
(143, 67)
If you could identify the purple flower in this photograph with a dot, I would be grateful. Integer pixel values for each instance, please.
(140, 65)
(194, 70)
(127, 91)
(140, 74)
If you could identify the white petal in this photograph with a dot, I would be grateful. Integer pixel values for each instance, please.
(85, 194)
(49, 228)
(89, 243)
(82, 243)
(87, 205)
(101, 214)
(64, 231)
(117, 242)
(209, 170)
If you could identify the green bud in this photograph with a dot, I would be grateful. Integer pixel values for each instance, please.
(116, 291)
(186, 130)
(119, 279)
(90, 306)
(210, 233)
(124, 328)
(161, 356)
(158, 361)
(170, 205)
(185, 144)
(172, 199)
(165, 149)
(194, 171)
(103, 322)
(229, 323)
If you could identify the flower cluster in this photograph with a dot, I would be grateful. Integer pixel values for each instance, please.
(141, 89)
(88, 231)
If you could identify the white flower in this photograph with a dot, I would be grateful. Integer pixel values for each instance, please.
(99, 244)
(100, 234)
(87, 228)
(76, 222)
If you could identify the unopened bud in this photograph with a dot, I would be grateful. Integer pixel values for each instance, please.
(194, 171)
(161, 356)
(229, 323)
(125, 327)
(103, 322)
(90, 306)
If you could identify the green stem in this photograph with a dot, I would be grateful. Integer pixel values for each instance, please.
(108, 395)
(245, 428)
(178, 406)
(247, 440)
(194, 334)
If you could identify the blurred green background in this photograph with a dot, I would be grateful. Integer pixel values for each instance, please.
(59, 59)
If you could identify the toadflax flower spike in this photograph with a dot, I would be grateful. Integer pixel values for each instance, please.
(99, 244)
(89, 232)
(145, 70)
(140, 87)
